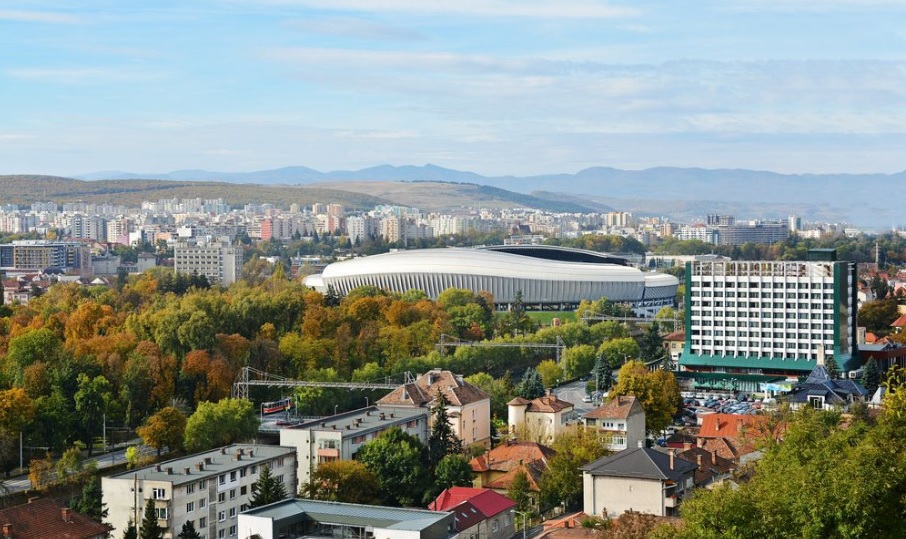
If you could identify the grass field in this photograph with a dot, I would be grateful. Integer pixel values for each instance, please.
(545, 317)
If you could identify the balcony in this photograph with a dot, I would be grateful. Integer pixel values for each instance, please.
(671, 501)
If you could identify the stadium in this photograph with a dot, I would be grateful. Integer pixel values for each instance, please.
(553, 278)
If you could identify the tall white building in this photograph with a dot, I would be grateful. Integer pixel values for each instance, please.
(220, 262)
(210, 489)
(760, 318)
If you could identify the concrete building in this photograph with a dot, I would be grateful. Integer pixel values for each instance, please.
(209, 488)
(300, 518)
(220, 262)
(623, 419)
(339, 437)
(641, 479)
(769, 318)
(469, 408)
(32, 256)
(538, 420)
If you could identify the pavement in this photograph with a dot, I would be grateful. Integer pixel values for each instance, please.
(573, 392)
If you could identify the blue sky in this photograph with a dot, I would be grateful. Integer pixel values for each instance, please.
(492, 86)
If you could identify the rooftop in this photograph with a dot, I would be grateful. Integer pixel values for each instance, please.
(47, 519)
(545, 404)
(207, 464)
(619, 407)
(425, 388)
(509, 455)
(641, 463)
(394, 518)
(364, 420)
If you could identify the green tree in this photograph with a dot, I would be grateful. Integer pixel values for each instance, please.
(520, 491)
(346, 481)
(619, 351)
(561, 481)
(188, 531)
(266, 489)
(831, 366)
(442, 441)
(665, 317)
(452, 471)
(70, 463)
(166, 428)
(657, 392)
(222, 423)
(150, 528)
(130, 532)
(91, 403)
(91, 503)
(651, 345)
(399, 461)
(531, 386)
(602, 374)
(871, 376)
(551, 373)
(877, 315)
(579, 360)
(501, 390)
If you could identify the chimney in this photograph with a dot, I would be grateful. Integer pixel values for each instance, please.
(241, 451)
(698, 460)
(672, 453)
(382, 416)
(199, 466)
(169, 470)
(687, 446)
(66, 513)
(223, 451)
(157, 467)
(33, 499)
(619, 400)
(714, 457)
(251, 453)
(700, 442)
(187, 471)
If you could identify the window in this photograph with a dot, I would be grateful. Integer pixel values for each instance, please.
(161, 513)
(221, 516)
(221, 534)
(232, 476)
(203, 484)
(190, 488)
(190, 507)
(233, 494)
(232, 531)
(254, 469)
(243, 490)
(160, 493)
(280, 461)
(201, 503)
(221, 497)
(494, 526)
(222, 479)
(203, 522)
(232, 512)
(242, 472)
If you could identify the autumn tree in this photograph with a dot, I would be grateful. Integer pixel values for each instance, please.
(346, 481)
(619, 351)
(657, 392)
(266, 489)
(166, 428)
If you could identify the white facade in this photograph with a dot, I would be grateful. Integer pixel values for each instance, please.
(220, 262)
(210, 489)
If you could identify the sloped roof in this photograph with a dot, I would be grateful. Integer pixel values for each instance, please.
(548, 404)
(712, 464)
(425, 389)
(465, 515)
(675, 336)
(485, 500)
(899, 322)
(43, 519)
(508, 455)
(641, 463)
(532, 471)
(620, 407)
(727, 425)
(724, 447)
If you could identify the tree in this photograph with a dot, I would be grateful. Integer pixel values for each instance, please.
(551, 373)
(657, 392)
(602, 373)
(879, 287)
(130, 532)
(531, 386)
(166, 428)
(520, 491)
(266, 489)
(221, 423)
(442, 441)
(91, 402)
(871, 376)
(150, 529)
(831, 366)
(651, 345)
(561, 481)
(399, 461)
(619, 351)
(70, 463)
(40, 473)
(501, 391)
(877, 315)
(347, 481)
(91, 503)
(188, 531)
(579, 360)
(452, 471)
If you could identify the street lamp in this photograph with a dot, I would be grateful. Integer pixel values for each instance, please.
(335, 409)
(524, 522)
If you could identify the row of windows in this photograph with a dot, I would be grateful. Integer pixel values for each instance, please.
(763, 314)
(222, 478)
(764, 305)
(827, 296)
(757, 324)
(708, 343)
(755, 284)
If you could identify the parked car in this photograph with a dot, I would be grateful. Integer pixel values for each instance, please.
(586, 398)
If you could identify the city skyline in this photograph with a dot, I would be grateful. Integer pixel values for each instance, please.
(793, 87)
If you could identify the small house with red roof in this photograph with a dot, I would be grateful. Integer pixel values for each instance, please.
(538, 420)
(497, 468)
(47, 519)
(623, 419)
(478, 512)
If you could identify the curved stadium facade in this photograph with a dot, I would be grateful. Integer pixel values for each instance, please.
(548, 277)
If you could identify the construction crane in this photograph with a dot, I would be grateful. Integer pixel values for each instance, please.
(450, 340)
(250, 376)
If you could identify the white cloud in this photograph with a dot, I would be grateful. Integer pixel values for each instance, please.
(815, 5)
(46, 17)
(15, 136)
(356, 28)
(78, 75)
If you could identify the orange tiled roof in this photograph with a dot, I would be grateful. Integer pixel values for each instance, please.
(727, 425)
(545, 404)
(619, 407)
(508, 455)
(899, 322)
(47, 519)
(675, 336)
(426, 387)
(532, 471)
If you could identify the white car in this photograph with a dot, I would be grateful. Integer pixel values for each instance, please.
(586, 398)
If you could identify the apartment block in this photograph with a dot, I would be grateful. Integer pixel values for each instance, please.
(220, 262)
(210, 489)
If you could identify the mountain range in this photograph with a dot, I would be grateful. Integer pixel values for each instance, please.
(682, 193)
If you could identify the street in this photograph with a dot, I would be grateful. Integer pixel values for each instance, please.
(573, 392)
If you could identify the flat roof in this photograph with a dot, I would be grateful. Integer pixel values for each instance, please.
(362, 421)
(216, 462)
(393, 518)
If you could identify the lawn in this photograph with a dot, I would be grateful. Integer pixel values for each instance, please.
(545, 317)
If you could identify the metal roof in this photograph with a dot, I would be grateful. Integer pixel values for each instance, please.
(297, 509)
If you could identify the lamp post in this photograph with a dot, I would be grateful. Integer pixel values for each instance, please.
(335, 409)
(524, 515)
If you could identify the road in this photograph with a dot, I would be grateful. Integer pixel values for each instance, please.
(573, 392)
(21, 483)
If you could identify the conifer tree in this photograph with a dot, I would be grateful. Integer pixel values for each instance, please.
(150, 529)
(267, 489)
(188, 531)
(443, 441)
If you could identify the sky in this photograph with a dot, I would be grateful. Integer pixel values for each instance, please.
(496, 87)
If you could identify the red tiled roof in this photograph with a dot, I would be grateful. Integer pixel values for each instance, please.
(508, 455)
(532, 471)
(465, 515)
(425, 388)
(675, 336)
(727, 425)
(545, 404)
(43, 519)
(619, 407)
(899, 322)
(485, 500)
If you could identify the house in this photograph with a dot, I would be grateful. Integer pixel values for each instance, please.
(898, 324)
(47, 519)
(469, 407)
(478, 512)
(497, 468)
(821, 392)
(568, 527)
(623, 418)
(339, 437)
(711, 469)
(539, 420)
(640, 479)
(315, 518)
(210, 488)
(673, 344)
(733, 436)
